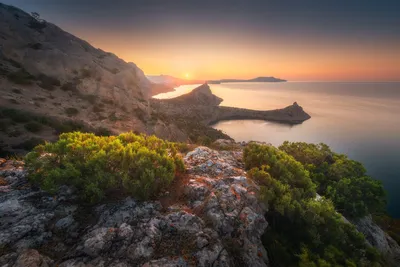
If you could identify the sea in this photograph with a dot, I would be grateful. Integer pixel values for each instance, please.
(359, 119)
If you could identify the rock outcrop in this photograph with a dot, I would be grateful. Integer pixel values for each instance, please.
(203, 106)
(377, 238)
(211, 218)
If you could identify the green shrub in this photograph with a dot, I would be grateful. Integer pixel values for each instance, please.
(341, 179)
(134, 165)
(48, 82)
(16, 115)
(33, 127)
(16, 91)
(113, 117)
(21, 77)
(303, 230)
(71, 112)
(204, 141)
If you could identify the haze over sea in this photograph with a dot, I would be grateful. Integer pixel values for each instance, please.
(361, 120)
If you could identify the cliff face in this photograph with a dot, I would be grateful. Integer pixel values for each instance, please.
(42, 48)
(200, 222)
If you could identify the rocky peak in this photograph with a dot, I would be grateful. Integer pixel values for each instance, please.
(202, 95)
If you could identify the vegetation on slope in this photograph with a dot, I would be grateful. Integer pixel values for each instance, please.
(98, 166)
(339, 178)
(305, 230)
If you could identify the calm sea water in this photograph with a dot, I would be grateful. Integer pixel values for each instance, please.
(361, 120)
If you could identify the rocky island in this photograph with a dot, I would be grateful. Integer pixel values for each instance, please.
(256, 80)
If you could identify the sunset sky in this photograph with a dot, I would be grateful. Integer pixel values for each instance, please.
(292, 39)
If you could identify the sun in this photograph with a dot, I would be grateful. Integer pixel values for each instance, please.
(187, 75)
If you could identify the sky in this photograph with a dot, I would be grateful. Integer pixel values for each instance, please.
(298, 40)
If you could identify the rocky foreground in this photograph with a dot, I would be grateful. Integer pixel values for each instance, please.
(202, 221)
(210, 217)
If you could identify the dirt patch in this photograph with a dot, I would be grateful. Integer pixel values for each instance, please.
(175, 194)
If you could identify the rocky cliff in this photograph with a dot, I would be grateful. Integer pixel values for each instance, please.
(211, 217)
(41, 48)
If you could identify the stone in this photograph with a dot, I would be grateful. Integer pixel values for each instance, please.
(379, 239)
(28, 258)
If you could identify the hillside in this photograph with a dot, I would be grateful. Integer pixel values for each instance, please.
(213, 211)
(53, 82)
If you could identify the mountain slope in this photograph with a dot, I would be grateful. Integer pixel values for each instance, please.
(47, 73)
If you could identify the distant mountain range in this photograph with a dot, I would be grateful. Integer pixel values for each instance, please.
(258, 79)
(175, 82)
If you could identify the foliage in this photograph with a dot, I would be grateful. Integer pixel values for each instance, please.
(304, 230)
(48, 82)
(131, 164)
(60, 126)
(341, 179)
(69, 86)
(389, 225)
(86, 73)
(15, 115)
(16, 91)
(71, 112)
(33, 127)
(21, 77)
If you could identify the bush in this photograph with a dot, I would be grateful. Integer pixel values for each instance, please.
(86, 73)
(35, 46)
(113, 117)
(33, 127)
(130, 164)
(16, 91)
(71, 112)
(21, 77)
(303, 230)
(89, 98)
(16, 115)
(69, 86)
(341, 179)
(48, 82)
